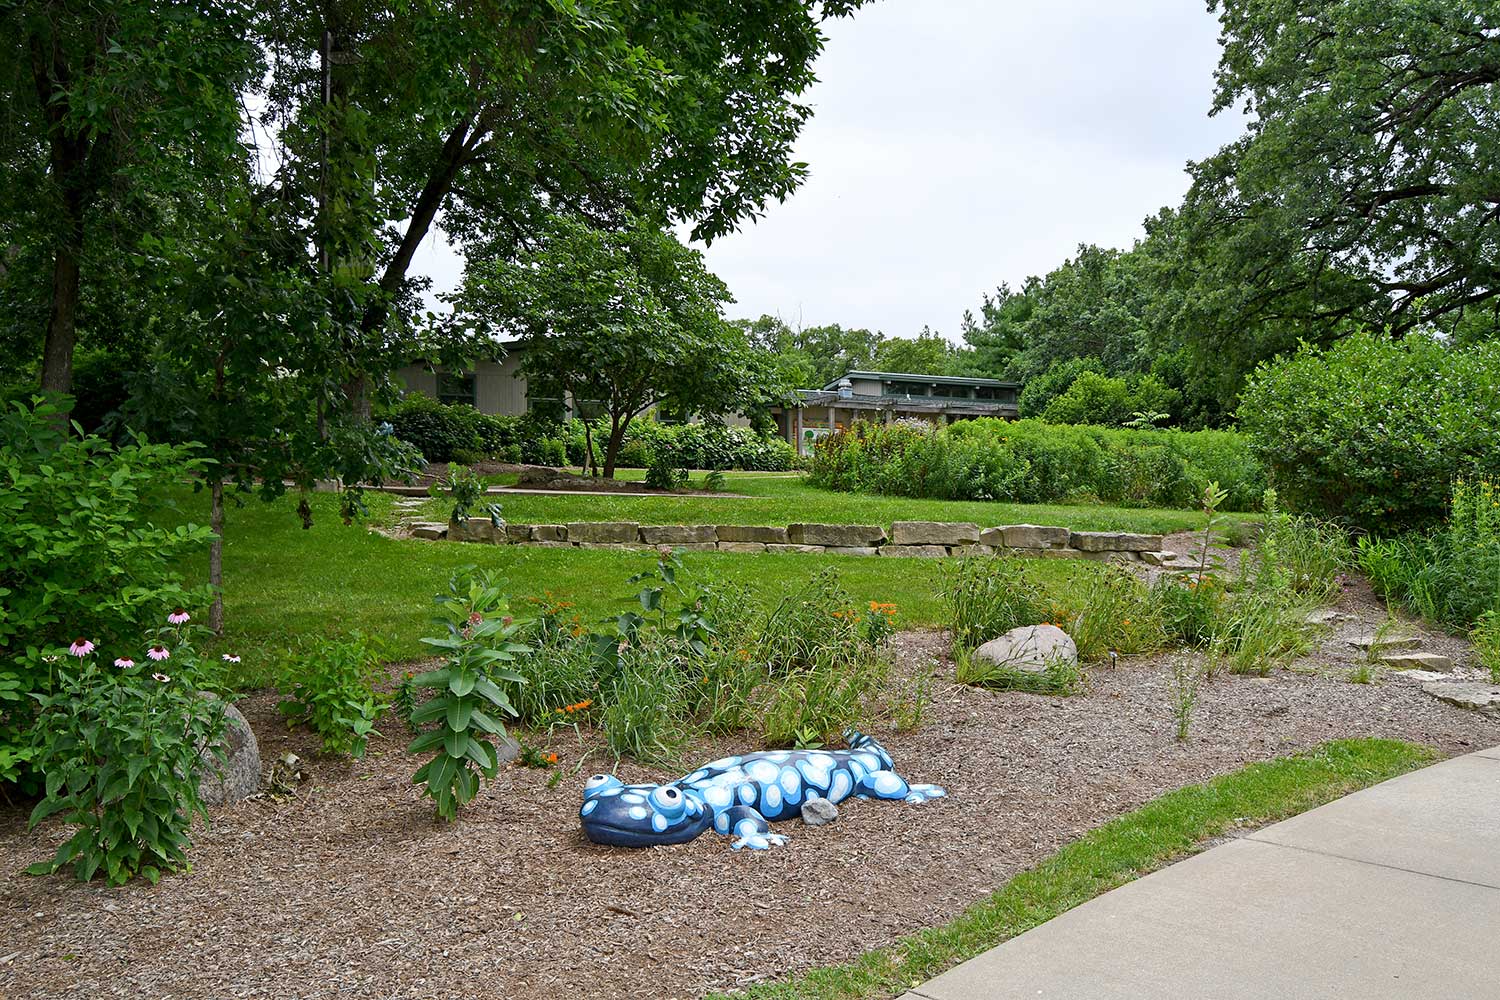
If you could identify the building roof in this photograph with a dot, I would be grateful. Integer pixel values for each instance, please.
(919, 404)
(933, 379)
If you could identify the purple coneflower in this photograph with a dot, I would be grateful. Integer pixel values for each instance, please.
(160, 678)
(231, 658)
(80, 648)
(158, 653)
(125, 663)
(178, 617)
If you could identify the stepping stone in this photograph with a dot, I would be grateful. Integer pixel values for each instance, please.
(430, 530)
(1365, 642)
(1419, 676)
(1418, 661)
(1327, 616)
(1475, 695)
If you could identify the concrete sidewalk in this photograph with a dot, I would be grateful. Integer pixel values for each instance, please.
(1392, 892)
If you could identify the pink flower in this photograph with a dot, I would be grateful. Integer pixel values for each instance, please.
(231, 658)
(158, 653)
(124, 663)
(160, 678)
(80, 648)
(178, 617)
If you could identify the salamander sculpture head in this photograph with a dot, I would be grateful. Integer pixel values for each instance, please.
(741, 796)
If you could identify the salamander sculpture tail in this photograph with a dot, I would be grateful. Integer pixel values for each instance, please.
(741, 796)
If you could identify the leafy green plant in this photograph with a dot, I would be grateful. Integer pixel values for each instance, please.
(1212, 499)
(645, 712)
(713, 482)
(120, 748)
(1258, 632)
(1112, 610)
(478, 648)
(815, 705)
(404, 701)
(465, 487)
(331, 690)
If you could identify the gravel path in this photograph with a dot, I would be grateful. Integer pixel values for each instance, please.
(350, 889)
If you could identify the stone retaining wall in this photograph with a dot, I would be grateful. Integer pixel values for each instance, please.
(918, 539)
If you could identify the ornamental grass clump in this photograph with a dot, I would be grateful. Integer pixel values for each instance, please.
(122, 748)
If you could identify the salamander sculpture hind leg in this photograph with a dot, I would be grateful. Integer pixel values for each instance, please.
(740, 797)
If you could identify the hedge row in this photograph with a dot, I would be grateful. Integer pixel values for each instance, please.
(1028, 461)
(462, 434)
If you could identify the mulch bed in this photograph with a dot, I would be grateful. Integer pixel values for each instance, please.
(350, 888)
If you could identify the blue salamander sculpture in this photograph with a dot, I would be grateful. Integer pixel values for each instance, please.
(741, 796)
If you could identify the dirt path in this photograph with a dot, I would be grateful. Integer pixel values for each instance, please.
(351, 889)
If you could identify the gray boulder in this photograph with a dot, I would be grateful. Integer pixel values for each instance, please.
(1031, 649)
(237, 775)
(847, 536)
(933, 533)
(819, 811)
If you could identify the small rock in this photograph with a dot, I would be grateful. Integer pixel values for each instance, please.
(1418, 661)
(1326, 616)
(1030, 648)
(430, 530)
(819, 811)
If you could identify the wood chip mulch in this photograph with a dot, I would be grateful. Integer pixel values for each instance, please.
(349, 888)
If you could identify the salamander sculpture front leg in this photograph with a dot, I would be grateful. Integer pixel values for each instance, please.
(740, 797)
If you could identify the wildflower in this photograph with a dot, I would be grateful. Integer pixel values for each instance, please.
(160, 678)
(664, 552)
(507, 620)
(231, 658)
(178, 617)
(80, 648)
(124, 663)
(158, 653)
(49, 659)
(552, 758)
(1126, 622)
(475, 618)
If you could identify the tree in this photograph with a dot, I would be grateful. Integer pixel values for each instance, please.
(928, 353)
(487, 117)
(998, 335)
(1364, 190)
(626, 318)
(111, 106)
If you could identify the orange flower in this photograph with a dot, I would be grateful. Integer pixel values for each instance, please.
(1126, 622)
(552, 758)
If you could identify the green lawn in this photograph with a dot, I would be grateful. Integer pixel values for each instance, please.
(1156, 834)
(780, 499)
(282, 583)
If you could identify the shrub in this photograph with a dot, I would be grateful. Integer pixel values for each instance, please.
(464, 486)
(1372, 431)
(80, 554)
(478, 647)
(331, 690)
(120, 750)
(663, 475)
(1094, 398)
(460, 433)
(1028, 461)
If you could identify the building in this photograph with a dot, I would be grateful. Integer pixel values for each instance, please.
(881, 397)
(498, 387)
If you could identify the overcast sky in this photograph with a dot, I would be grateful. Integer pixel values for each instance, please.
(956, 144)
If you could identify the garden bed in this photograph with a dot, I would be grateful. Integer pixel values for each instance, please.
(349, 886)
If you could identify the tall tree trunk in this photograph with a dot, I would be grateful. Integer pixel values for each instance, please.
(62, 321)
(74, 170)
(216, 555)
(589, 465)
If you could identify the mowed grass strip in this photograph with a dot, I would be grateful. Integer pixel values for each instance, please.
(1141, 841)
(781, 500)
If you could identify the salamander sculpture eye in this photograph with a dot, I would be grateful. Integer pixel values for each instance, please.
(601, 783)
(669, 801)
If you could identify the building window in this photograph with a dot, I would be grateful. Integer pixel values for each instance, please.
(548, 408)
(455, 387)
(589, 409)
(1002, 394)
